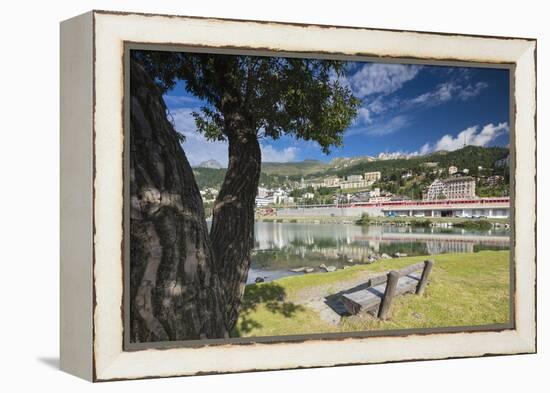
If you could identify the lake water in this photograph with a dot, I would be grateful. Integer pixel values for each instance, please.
(280, 247)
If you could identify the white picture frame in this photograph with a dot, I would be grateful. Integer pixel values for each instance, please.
(92, 190)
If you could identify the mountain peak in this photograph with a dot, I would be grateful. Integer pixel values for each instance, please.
(213, 164)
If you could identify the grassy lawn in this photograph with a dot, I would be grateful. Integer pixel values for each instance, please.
(464, 289)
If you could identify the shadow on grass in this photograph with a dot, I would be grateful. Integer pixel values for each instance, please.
(272, 297)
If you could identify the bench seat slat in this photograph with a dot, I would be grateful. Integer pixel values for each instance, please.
(370, 298)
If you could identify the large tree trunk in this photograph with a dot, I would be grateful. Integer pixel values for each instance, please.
(232, 230)
(175, 292)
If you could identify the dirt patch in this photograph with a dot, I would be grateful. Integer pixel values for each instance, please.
(326, 313)
(321, 291)
(315, 297)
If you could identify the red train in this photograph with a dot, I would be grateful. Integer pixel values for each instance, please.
(446, 202)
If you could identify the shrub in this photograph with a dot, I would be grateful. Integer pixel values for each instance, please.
(421, 223)
(364, 220)
(481, 225)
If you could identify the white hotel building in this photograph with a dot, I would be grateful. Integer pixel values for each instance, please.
(463, 187)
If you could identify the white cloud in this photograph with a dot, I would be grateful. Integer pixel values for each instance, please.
(377, 81)
(372, 111)
(425, 149)
(184, 121)
(471, 91)
(197, 148)
(375, 78)
(475, 136)
(447, 91)
(385, 128)
(363, 116)
(395, 155)
(271, 154)
(442, 93)
(377, 106)
(181, 100)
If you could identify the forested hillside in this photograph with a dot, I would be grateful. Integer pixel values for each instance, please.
(478, 160)
(470, 157)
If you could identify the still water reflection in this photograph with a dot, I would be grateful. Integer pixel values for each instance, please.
(280, 247)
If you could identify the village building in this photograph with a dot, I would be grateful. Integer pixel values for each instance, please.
(263, 192)
(372, 176)
(209, 194)
(344, 185)
(379, 199)
(331, 181)
(494, 180)
(262, 202)
(267, 197)
(315, 184)
(354, 178)
(375, 192)
(452, 170)
(462, 187)
(435, 191)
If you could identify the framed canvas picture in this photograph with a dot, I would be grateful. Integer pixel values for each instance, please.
(245, 195)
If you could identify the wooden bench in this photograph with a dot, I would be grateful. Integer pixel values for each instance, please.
(378, 295)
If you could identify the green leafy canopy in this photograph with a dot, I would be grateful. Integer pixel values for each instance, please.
(267, 96)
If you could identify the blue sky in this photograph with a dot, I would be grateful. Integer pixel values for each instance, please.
(406, 110)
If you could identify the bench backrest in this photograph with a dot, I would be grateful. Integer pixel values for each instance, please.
(367, 299)
(393, 279)
(382, 278)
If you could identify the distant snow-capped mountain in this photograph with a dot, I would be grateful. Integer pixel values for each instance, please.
(213, 164)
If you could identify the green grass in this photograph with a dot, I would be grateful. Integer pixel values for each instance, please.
(464, 289)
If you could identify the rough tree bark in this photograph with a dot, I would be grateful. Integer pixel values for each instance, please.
(232, 232)
(185, 282)
(175, 292)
